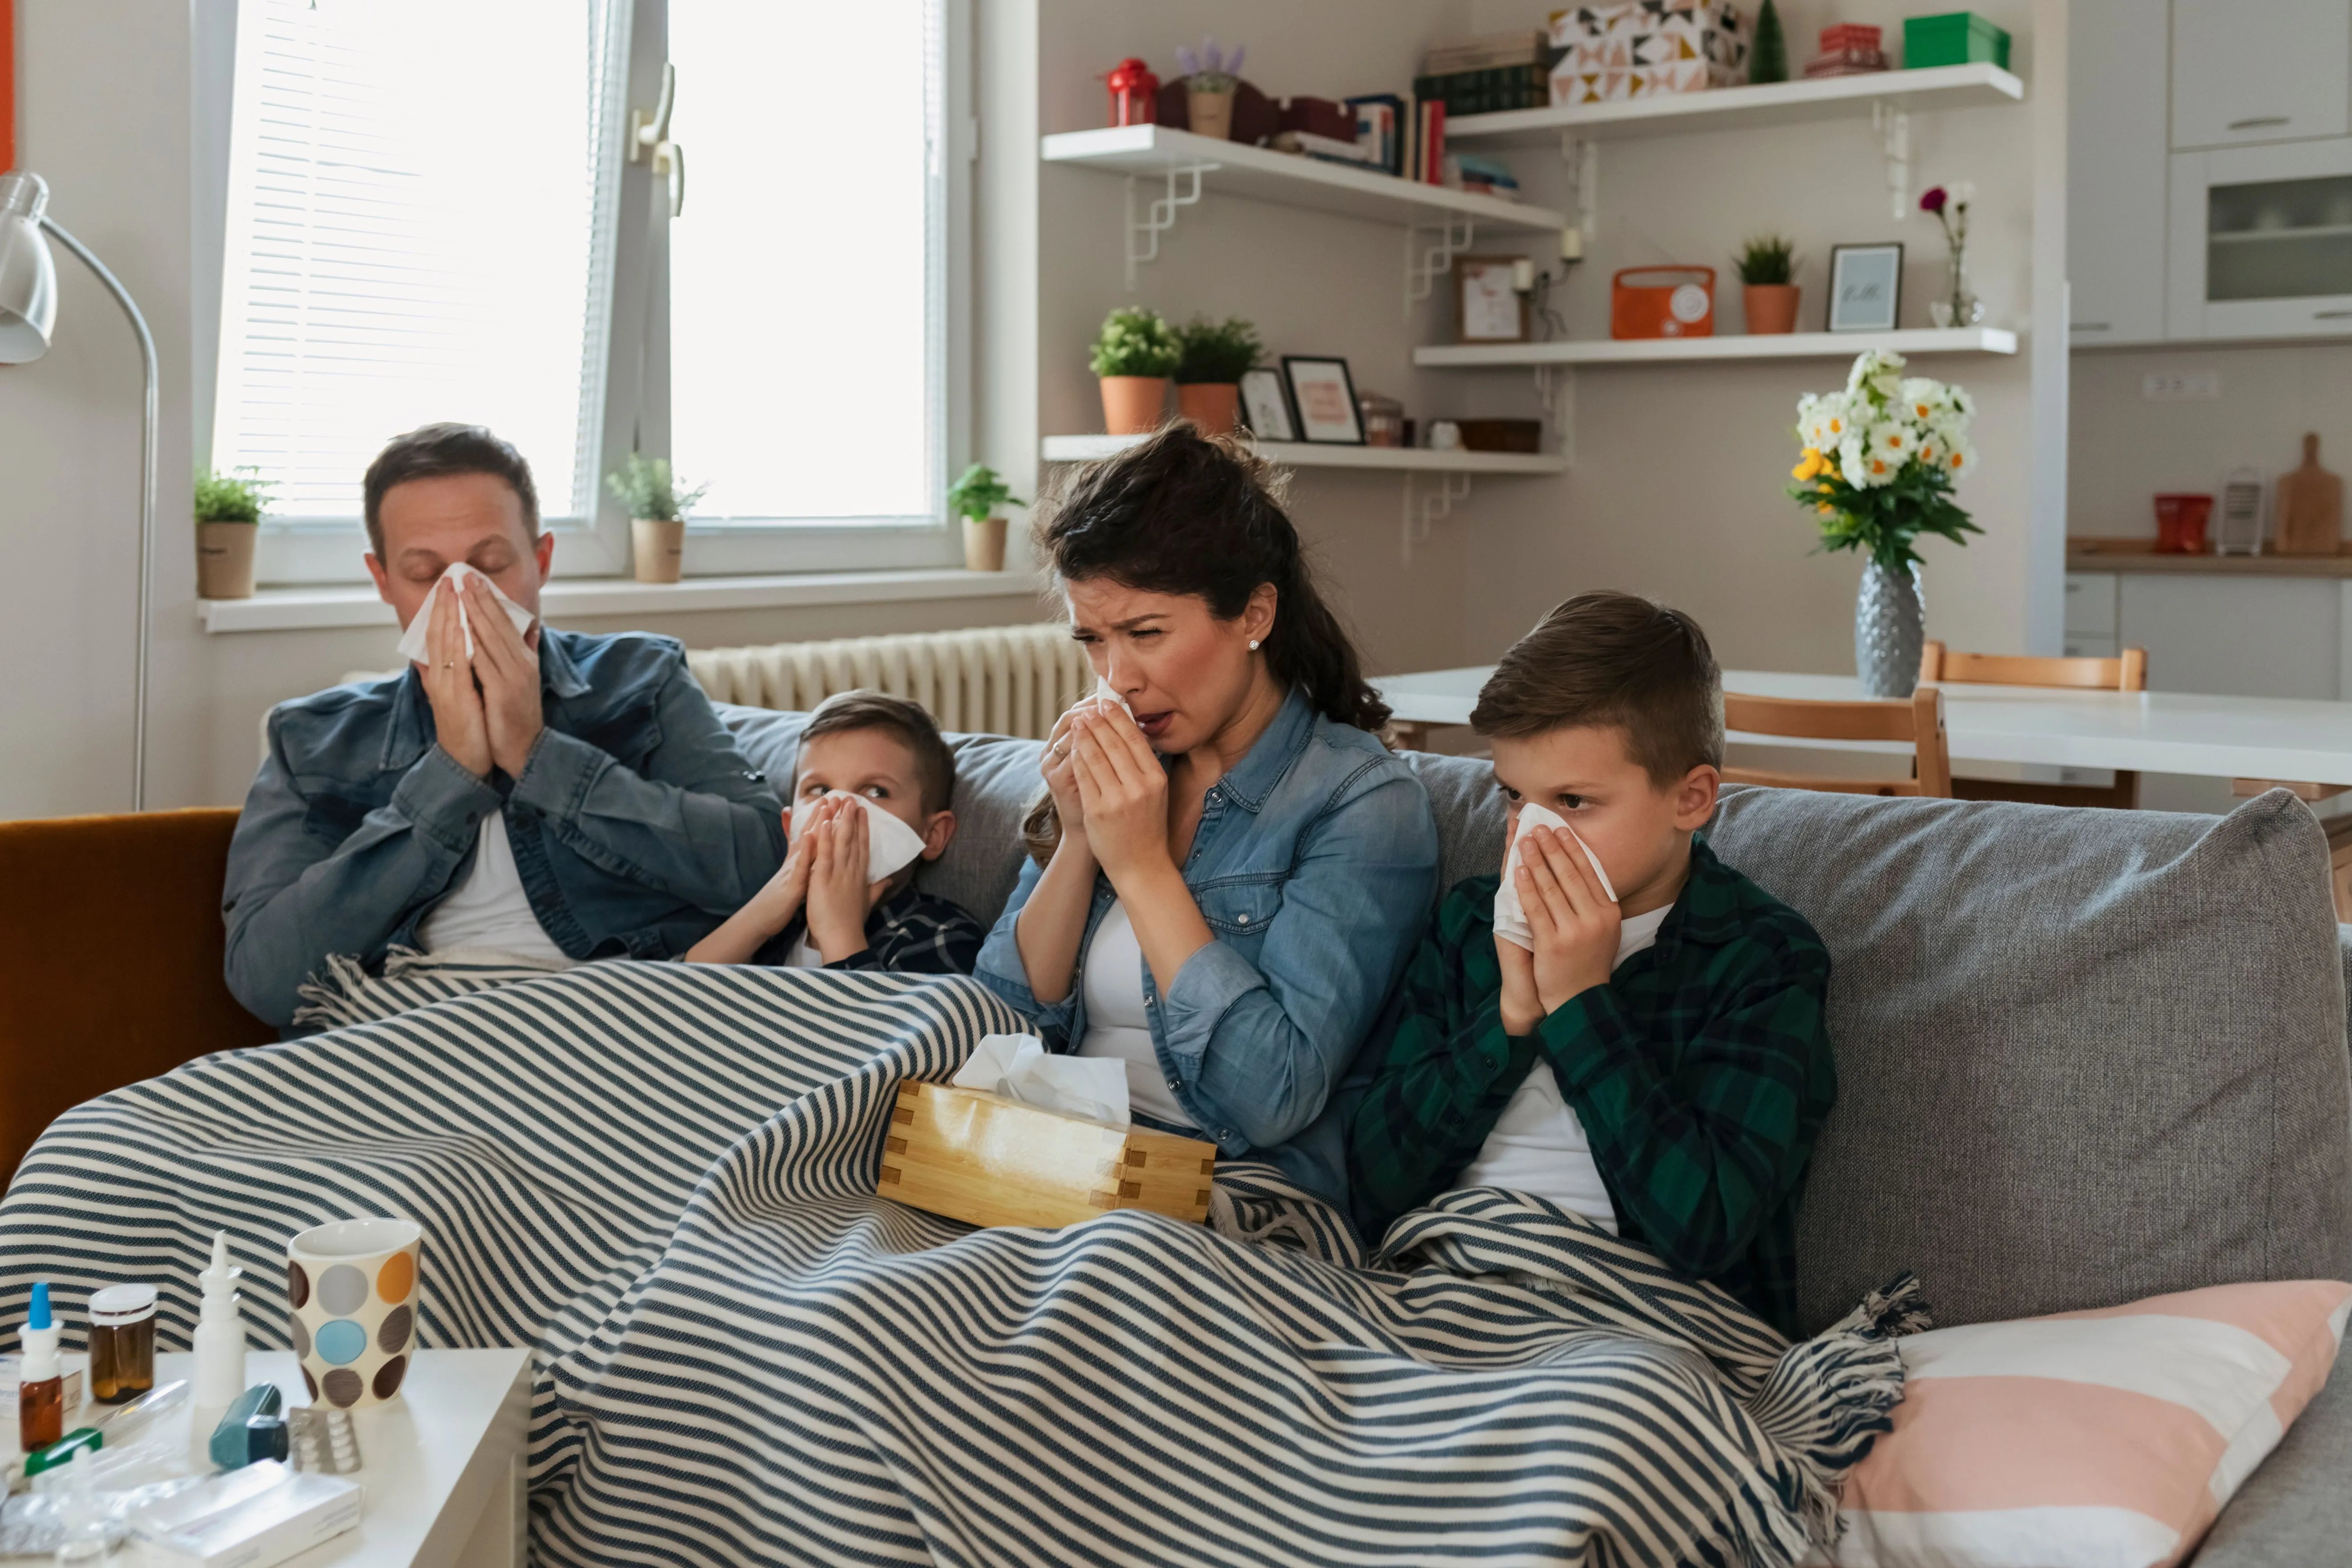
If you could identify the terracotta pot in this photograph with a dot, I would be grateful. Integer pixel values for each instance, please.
(1211, 113)
(1132, 404)
(984, 544)
(1214, 406)
(1771, 307)
(660, 548)
(225, 560)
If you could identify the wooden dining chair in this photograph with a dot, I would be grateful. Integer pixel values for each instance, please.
(2126, 673)
(1919, 721)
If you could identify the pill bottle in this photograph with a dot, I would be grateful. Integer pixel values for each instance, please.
(121, 1342)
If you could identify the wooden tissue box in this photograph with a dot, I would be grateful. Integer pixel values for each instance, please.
(986, 1160)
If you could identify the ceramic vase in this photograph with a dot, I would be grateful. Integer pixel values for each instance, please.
(1132, 404)
(984, 544)
(1890, 630)
(1214, 406)
(225, 560)
(659, 548)
(1771, 308)
(1211, 113)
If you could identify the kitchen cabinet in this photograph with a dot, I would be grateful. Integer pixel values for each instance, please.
(2261, 241)
(2259, 70)
(2234, 637)
(2116, 173)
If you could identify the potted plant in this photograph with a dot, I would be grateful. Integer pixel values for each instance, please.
(1210, 79)
(1767, 265)
(1212, 357)
(979, 498)
(228, 519)
(657, 510)
(1134, 355)
(1879, 463)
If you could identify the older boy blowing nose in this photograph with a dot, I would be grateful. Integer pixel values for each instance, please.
(1654, 1061)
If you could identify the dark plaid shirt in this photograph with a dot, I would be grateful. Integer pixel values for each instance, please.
(1701, 1073)
(909, 932)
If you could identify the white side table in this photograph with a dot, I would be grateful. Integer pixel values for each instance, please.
(443, 1465)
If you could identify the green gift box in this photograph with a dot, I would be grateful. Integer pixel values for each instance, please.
(1954, 39)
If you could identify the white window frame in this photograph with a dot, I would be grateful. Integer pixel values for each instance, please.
(637, 406)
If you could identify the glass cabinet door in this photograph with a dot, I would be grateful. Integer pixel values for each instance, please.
(2262, 241)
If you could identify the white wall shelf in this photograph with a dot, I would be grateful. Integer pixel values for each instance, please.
(1311, 454)
(1782, 346)
(1425, 507)
(1972, 86)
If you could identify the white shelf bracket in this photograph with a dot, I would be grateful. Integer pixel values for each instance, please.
(1424, 510)
(1425, 263)
(1893, 126)
(1556, 390)
(1583, 160)
(1143, 234)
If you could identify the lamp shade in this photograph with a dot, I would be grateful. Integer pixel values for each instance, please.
(28, 277)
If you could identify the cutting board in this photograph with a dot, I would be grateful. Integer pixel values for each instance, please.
(2310, 507)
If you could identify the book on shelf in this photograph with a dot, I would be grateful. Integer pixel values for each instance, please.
(1379, 129)
(1426, 162)
(1493, 89)
(1329, 149)
(1515, 47)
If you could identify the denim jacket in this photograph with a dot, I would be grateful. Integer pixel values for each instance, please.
(636, 824)
(1315, 866)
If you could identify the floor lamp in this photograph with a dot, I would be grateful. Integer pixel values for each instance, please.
(28, 311)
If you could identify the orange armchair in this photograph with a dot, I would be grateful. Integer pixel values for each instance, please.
(111, 945)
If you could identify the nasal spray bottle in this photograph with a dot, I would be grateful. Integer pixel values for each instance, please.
(40, 1377)
(220, 1334)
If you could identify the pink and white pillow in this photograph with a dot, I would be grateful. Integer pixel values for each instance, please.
(2102, 1440)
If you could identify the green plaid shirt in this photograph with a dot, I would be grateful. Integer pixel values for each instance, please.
(1701, 1073)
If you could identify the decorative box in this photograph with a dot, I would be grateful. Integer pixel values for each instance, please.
(1643, 47)
(986, 1160)
(1953, 39)
(1318, 116)
(1849, 35)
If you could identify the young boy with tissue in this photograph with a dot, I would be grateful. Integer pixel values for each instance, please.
(869, 802)
(1620, 1024)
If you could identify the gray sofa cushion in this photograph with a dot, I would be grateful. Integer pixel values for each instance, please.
(2294, 1509)
(2083, 1056)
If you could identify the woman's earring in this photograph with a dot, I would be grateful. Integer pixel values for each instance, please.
(1253, 644)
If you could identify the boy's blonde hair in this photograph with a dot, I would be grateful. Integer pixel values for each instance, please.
(1614, 660)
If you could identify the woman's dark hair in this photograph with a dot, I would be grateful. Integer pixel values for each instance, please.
(1186, 513)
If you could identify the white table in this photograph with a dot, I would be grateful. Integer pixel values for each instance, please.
(2146, 731)
(443, 1465)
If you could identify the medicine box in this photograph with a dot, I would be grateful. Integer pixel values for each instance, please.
(1955, 38)
(248, 1518)
(987, 1160)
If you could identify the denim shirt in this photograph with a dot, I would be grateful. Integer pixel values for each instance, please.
(1315, 866)
(637, 825)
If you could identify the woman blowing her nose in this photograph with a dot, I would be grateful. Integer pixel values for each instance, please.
(1228, 871)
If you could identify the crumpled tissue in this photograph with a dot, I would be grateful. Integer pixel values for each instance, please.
(1105, 692)
(1018, 1066)
(889, 843)
(412, 641)
(1510, 918)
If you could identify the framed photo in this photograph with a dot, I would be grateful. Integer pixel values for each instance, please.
(1266, 405)
(1487, 309)
(1325, 398)
(1866, 288)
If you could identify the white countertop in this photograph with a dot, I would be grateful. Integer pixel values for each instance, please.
(2149, 731)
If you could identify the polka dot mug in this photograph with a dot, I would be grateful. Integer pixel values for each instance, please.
(352, 1288)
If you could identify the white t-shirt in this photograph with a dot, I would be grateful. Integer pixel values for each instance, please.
(489, 908)
(1117, 1024)
(1539, 1146)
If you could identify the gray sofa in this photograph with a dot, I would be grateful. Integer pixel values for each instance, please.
(2083, 1056)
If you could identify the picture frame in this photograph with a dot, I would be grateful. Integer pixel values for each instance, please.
(1487, 308)
(1265, 405)
(1323, 396)
(1866, 288)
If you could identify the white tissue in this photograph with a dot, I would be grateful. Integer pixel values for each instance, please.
(889, 843)
(1104, 693)
(1510, 918)
(1018, 1067)
(412, 641)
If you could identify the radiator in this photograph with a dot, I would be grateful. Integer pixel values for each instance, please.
(1003, 680)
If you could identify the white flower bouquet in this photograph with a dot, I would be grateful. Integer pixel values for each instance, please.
(1881, 459)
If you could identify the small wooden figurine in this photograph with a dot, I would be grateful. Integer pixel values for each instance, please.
(2310, 507)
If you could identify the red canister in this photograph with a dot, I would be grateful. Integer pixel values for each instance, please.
(2181, 524)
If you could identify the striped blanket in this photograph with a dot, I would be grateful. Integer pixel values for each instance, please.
(660, 1176)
